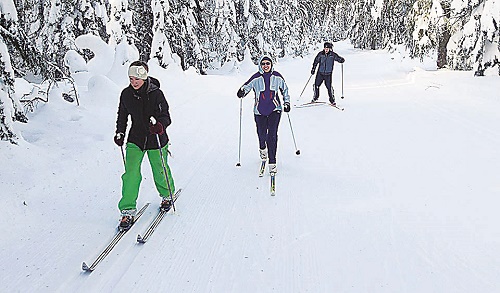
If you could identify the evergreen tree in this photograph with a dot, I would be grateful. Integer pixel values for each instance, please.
(343, 20)
(120, 26)
(10, 108)
(91, 18)
(476, 44)
(430, 27)
(142, 21)
(363, 32)
(58, 35)
(6, 90)
(160, 47)
(391, 24)
(218, 30)
(183, 32)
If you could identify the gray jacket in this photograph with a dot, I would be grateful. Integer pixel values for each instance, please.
(326, 61)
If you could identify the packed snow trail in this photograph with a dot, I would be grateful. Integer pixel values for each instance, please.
(398, 193)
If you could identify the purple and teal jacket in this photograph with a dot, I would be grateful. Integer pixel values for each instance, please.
(266, 86)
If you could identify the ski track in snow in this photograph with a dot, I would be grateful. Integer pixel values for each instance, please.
(394, 194)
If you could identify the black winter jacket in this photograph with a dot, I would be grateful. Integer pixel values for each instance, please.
(326, 61)
(141, 105)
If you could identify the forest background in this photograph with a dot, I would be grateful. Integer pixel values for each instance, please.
(40, 47)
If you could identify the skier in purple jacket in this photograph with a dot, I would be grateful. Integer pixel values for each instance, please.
(266, 84)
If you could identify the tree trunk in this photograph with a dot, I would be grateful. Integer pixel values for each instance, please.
(444, 35)
(442, 49)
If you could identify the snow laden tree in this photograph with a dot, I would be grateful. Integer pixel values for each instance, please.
(271, 27)
(288, 33)
(6, 93)
(343, 20)
(323, 19)
(120, 26)
(391, 23)
(468, 31)
(375, 24)
(476, 45)
(58, 34)
(253, 29)
(301, 20)
(142, 23)
(364, 33)
(160, 47)
(218, 28)
(430, 25)
(183, 33)
(10, 107)
(91, 18)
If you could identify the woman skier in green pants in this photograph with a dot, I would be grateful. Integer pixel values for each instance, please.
(142, 99)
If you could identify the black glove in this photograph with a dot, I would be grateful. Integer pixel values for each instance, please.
(119, 138)
(240, 93)
(286, 107)
(312, 71)
(341, 60)
(156, 128)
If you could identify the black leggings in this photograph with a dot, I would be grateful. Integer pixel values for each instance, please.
(328, 83)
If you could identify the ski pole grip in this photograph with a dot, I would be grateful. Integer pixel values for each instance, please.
(152, 120)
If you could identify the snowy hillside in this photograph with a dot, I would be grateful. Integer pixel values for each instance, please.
(398, 193)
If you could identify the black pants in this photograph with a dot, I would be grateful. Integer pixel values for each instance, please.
(328, 83)
(267, 130)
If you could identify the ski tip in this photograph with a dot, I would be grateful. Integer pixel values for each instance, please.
(86, 268)
(140, 239)
(123, 229)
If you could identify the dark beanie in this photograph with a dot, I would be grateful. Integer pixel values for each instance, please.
(328, 45)
(267, 58)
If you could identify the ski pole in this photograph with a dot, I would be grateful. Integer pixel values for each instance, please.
(239, 143)
(153, 121)
(342, 71)
(297, 151)
(306, 85)
(123, 155)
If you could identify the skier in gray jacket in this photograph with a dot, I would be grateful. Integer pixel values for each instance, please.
(325, 59)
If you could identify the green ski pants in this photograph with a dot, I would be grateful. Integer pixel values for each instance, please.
(132, 177)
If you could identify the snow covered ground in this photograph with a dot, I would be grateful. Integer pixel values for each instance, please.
(398, 193)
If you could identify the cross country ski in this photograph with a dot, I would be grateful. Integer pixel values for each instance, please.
(162, 211)
(311, 104)
(262, 168)
(118, 236)
(273, 184)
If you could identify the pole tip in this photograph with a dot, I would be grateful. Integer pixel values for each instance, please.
(238, 165)
(297, 152)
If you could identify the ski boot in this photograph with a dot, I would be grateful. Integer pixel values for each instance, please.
(166, 203)
(127, 219)
(126, 222)
(273, 169)
(263, 154)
